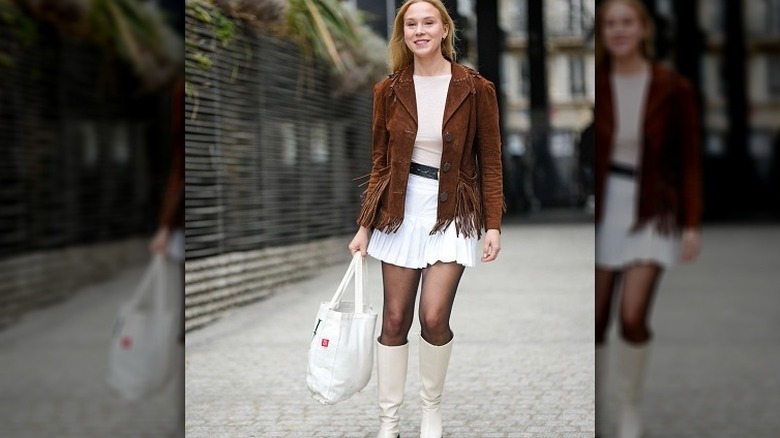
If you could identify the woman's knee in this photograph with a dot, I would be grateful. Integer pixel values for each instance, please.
(435, 327)
(633, 328)
(395, 326)
(601, 332)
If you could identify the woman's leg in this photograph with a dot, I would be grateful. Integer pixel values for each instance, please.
(639, 287)
(605, 287)
(439, 284)
(400, 290)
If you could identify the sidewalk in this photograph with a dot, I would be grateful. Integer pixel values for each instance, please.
(522, 365)
(53, 366)
(714, 368)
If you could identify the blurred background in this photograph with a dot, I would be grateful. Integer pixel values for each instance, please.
(712, 369)
(730, 50)
(85, 135)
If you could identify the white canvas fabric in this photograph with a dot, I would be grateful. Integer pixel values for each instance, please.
(143, 343)
(341, 351)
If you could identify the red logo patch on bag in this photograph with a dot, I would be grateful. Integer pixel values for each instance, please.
(126, 342)
(325, 342)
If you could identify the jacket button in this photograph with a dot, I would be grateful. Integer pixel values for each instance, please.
(445, 167)
(443, 197)
(448, 136)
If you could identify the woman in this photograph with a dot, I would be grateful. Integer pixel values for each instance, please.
(648, 190)
(435, 182)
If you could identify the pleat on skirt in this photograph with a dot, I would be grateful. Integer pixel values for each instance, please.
(413, 245)
(616, 245)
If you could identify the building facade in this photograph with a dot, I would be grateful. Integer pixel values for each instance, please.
(570, 72)
(762, 63)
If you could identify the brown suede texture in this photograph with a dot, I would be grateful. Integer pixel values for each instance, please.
(470, 174)
(670, 176)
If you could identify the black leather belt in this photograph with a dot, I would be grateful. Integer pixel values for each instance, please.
(621, 169)
(424, 171)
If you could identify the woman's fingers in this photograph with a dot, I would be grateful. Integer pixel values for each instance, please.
(690, 246)
(359, 243)
(490, 250)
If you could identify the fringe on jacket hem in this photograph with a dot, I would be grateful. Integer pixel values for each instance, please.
(368, 210)
(468, 212)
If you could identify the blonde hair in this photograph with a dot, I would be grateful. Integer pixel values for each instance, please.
(399, 55)
(602, 55)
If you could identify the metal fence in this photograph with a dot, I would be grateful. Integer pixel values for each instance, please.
(271, 153)
(82, 163)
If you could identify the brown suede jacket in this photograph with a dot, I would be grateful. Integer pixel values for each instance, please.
(470, 174)
(670, 187)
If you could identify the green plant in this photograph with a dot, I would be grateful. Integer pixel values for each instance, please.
(125, 29)
(323, 28)
(22, 28)
(223, 27)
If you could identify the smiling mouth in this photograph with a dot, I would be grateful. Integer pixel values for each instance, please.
(421, 42)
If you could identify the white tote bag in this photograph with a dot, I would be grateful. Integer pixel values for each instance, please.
(143, 342)
(341, 352)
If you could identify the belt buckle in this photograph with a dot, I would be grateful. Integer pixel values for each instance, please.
(438, 174)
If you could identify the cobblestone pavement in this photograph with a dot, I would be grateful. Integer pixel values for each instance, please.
(522, 363)
(53, 366)
(714, 368)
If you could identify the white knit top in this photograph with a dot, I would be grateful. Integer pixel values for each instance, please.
(431, 92)
(629, 101)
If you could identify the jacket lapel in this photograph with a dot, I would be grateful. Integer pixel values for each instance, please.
(458, 91)
(404, 89)
(656, 94)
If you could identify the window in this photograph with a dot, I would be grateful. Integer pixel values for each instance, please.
(773, 75)
(772, 16)
(515, 78)
(716, 23)
(574, 18)
(577, 76)
(518, 16)
(525, 77)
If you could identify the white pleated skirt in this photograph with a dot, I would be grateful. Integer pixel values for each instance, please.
(412, 246)
(616, 245)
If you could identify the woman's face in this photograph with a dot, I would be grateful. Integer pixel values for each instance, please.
(423, 29)
(623, 31)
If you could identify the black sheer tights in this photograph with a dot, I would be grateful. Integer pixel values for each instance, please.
(639, 283)
(439, 284)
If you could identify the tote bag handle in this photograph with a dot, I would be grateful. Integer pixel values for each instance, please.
(154, 273)
(357, 269)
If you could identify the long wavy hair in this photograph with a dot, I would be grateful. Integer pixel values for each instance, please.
(399, 55)
(602, 55)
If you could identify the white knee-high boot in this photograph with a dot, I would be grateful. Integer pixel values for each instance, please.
(391, 366)
(602, 363)
(434, 361)
(633, 361)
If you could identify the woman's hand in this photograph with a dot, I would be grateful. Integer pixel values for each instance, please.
(359, 242)
(691, 244)
(492, 245)
(159, 244)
